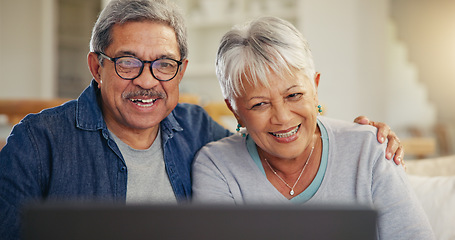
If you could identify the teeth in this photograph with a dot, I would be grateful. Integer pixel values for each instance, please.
(144, 102)
(288, 134)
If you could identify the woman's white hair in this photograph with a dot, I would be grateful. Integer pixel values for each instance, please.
(251, 52)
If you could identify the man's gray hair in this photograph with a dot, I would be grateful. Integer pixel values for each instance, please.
(258, 48)
(122, 11)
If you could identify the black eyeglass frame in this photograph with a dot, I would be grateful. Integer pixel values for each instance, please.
(114, 60)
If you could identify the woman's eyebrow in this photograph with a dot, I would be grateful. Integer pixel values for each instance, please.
(291, 87)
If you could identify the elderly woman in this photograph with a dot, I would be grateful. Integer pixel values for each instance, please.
(289, 153)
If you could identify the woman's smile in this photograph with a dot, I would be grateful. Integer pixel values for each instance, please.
(286, 133)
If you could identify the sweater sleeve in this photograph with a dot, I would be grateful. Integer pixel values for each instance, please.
(209, 184)
(400, 215)
(359, 171)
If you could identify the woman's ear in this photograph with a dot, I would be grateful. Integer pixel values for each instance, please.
(94, 66)
(228, 104)
(317, 77)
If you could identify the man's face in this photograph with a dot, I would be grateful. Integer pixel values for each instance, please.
(142, 103)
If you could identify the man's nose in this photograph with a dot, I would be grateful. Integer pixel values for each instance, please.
(146, 80)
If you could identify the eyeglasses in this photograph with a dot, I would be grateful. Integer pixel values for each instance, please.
(129, 67)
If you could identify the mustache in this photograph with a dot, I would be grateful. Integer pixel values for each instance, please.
(144, 93)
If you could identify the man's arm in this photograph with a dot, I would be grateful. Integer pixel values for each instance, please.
(394, 146)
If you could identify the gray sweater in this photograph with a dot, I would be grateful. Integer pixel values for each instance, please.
(357, 173)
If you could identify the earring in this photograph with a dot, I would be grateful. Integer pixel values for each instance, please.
(319, 109)
(239, 131)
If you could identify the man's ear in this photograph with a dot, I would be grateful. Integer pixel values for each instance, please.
(182, 69)
(94, 66)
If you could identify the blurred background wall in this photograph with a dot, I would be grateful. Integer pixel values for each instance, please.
(390, 60)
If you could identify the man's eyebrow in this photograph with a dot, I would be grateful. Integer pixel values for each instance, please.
(169, 55)
(129, 53)
(125, 53)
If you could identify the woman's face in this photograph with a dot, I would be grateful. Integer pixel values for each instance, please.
(281, 119)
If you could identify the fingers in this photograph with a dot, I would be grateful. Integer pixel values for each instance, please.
(383, 129)
(384, 132)
(362, 120)
(394, 148)
(403, 164)
(398, 159)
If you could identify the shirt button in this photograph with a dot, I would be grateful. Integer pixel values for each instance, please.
(122, 169)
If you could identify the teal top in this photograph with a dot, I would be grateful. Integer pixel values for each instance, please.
(314, 186)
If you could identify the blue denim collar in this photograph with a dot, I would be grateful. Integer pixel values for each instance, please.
(89, 116)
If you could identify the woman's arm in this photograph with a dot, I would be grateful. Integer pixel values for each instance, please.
(209, 184)
(400, 213)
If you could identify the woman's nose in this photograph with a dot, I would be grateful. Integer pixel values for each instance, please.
(280, 114)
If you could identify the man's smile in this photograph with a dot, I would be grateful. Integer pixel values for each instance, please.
(143, 102)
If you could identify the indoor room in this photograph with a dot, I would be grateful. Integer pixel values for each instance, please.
(392, 61)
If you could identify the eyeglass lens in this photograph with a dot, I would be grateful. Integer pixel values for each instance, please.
(130, 68)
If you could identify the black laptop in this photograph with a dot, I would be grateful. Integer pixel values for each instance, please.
(202, 222)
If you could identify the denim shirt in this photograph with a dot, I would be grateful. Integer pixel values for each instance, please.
(66, 153)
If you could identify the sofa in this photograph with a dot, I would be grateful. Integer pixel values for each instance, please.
(433, 180)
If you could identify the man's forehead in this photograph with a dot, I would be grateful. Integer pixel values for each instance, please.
(139, 38)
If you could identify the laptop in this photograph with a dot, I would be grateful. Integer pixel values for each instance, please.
(203, 222)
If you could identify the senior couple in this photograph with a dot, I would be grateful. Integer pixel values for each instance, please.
(127, 139)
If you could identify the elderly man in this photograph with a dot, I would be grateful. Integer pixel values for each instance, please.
(125, 138)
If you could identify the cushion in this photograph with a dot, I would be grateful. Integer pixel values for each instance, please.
(437, 196)
(440, 166)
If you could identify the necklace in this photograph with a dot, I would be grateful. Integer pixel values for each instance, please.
(303, 169)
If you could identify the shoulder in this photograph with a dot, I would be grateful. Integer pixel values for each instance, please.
(185, 110)
(347, 130)
(231, 142)
(352, 142)
(50, 125)
(188, 117)
(189, 107)
(191, 116)
(226, 147)
(37, 131)
(194, 120)
(56, 115)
